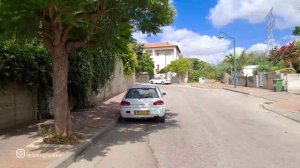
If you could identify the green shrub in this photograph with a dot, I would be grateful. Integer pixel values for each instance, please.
(89, 71)
(287, 70)
(29, 64)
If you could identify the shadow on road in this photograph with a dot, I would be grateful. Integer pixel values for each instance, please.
(133, 131)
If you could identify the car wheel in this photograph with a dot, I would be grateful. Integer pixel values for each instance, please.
(161, 119)
(122, 119)
(162, 82)
(151, 82)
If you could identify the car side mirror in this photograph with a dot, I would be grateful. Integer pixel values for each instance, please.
(164, 94)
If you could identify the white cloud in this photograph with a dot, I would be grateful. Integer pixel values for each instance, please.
(287, 12)
(258, 47)
(291, 38)
(207, 48)
(238, 51)
(140, 37)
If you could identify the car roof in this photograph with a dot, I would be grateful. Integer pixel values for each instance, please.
(143, 86)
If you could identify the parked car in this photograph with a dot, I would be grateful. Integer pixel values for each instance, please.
(160, 81)
(142, 102)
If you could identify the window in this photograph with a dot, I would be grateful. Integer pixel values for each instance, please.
(157, 53)
(140, 93)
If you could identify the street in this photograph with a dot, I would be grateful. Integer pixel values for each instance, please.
(204, 128)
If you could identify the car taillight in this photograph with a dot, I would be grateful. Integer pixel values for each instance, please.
(158, 102)
(125, 103)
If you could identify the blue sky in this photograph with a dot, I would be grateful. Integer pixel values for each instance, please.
(198, 22)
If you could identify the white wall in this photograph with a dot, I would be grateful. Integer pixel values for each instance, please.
(163, 56)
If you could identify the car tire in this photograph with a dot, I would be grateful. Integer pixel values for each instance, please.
(122, 119)
(161, 119)
(162, 82)
(151, 82)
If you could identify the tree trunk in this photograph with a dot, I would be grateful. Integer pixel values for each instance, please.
(290, 63)
(63, 123)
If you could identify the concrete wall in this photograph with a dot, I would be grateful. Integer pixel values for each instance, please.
(241, 81)
(180, 78)
(140, 78)
(118, 84)
(17, 105)
(293, 83)
(265, 80)
(252, 81)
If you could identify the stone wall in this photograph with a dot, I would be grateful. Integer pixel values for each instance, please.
(17, 105)
(142, 78)
(118, 84)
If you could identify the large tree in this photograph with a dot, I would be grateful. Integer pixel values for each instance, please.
(145, 62)
(67, 25)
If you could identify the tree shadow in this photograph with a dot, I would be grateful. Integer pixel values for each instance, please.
(133, 131)
(29, 129)
(86, 123)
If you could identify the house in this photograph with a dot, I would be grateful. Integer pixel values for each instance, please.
(162, 53)
(249, 70)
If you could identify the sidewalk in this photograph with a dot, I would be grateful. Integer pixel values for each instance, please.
(33, 153)
(283, 103)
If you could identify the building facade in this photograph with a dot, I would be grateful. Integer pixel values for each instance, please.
(162, 53)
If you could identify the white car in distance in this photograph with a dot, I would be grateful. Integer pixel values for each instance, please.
(142, 102)
(160, 81)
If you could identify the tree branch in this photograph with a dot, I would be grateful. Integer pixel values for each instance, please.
(48, 45)
(45, 33)
(66, 33)
(94, 15)
(73, 45)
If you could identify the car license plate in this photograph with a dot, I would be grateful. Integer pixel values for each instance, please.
(141, 112)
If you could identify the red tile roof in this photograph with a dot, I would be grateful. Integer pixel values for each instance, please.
(160, 45)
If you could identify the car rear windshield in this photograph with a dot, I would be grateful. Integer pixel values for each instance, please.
(140, 93)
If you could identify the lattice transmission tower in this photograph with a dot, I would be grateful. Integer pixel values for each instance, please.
(270, 25)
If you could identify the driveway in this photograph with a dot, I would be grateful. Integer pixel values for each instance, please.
(204, 128)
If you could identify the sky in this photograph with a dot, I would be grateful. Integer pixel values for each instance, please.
(197, 25)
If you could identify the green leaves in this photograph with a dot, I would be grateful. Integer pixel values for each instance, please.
(296, 31)
(179, 66)
(89, 71)
(130, 61)
(29, 64)
(145, 62)
(199, 68)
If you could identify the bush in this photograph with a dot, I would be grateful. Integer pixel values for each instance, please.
(89, 71)
(28, 64)
(287, 70)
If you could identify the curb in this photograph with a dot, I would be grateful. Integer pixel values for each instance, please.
(284, 113)
(246, 93)
(68, 158)
(251, 94)
(204, 87)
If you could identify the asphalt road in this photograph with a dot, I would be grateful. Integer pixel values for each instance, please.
(206, 128)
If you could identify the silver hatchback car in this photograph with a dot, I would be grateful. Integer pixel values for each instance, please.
(143, 101)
